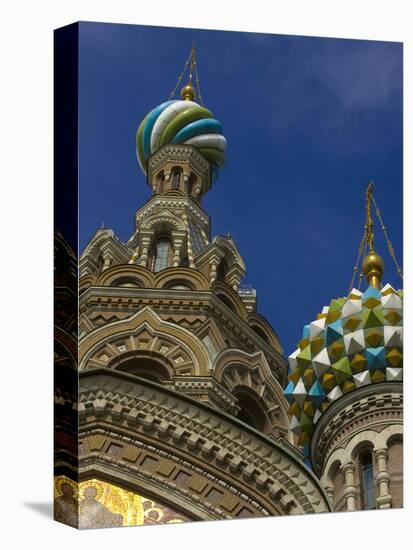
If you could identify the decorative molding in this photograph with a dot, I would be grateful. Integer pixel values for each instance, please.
(271, 475)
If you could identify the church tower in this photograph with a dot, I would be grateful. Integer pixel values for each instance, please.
(345, 387)
(181, 405)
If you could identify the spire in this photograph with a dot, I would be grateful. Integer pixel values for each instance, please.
(373, 265)
(188, 92)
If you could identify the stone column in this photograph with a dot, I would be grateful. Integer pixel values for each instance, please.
(135, 256)
(350, 491)
(330, 493)
(177, 245)
(107, 260)
(146, 241)
(190, 252)
(382, 479)
(213, 272)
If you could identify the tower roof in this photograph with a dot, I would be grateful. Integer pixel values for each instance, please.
(355, 341)
(179, 121)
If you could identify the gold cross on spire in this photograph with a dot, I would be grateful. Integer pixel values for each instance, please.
(188, 92)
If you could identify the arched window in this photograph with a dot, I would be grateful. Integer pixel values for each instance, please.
(260, 333)
(221, 271)
(160, 178)
(367, 480)
(226, 301)
(190, 183)
(176, 178)
(145, 367)
(251, 411)
(127, 282)
(162, 254)
(178, 284)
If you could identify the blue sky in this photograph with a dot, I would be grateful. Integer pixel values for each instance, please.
(309, 121)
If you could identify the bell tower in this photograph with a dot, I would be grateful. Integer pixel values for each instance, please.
(171, 270)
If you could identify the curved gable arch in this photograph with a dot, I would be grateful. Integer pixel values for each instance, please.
(260, 325)
(164, 218)
(141, 275)
(234, 369)
(230, 298)
(195, 279)
(142, 329)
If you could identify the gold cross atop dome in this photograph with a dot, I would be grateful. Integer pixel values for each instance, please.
(188, 92)
(372, 265)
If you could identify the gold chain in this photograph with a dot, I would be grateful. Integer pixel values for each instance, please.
(356, 265)
(201, 101)
(389, 244)
(180, 76)
(369, 219)
(368, 238)
(191, 62)
(363, 254)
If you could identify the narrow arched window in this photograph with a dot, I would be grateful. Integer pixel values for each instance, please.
(162, 253)
(191, 182)
(176, 178)
(221, 271)
(250, 409)
(367, 481)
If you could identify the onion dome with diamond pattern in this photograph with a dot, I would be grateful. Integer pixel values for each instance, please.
(354, 341)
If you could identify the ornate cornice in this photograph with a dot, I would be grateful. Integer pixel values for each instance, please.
(127, 300)
(178, 153)
(241, 457)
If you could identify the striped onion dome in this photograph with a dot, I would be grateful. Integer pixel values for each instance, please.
(181, 121)
(354, 342)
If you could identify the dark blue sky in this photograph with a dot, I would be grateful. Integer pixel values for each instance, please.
(309, 121)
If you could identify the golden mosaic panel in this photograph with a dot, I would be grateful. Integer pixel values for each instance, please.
(97, 504)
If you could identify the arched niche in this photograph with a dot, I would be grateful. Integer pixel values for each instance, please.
(190, 278)
(251, 409)
(151, 366)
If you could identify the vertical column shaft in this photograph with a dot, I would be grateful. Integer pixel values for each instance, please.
(350, 491)
(382, 479)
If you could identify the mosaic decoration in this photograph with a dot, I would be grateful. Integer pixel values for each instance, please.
(181, 121)
(97, 504)
(355, 341)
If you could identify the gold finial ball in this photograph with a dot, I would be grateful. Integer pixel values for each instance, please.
(373, 268)
(188, 93)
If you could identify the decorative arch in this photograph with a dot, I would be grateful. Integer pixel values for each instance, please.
(145, 331)
(360, 440)
(232, 255)
(261, 327)
(252, 409)
(142, 276)
(191, 277)
(230, 298)
(166, 219)
(234, 368)
(65, 345)
(93, 248)
(151, 365)
(86, 281)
